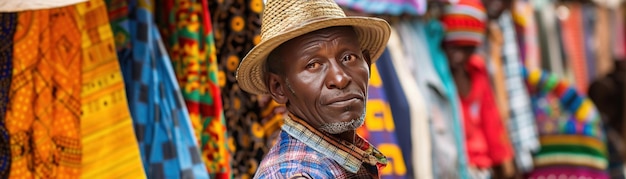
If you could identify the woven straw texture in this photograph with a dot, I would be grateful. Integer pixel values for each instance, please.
(286, 19)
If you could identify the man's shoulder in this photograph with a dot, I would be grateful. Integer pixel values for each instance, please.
(290, 157)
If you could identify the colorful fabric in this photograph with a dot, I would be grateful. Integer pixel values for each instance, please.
(524, 19)
(494, 58)
(195, 64)
(162, 125)
(106, 123)
(43, 116)
(522, 128)
(571, 135)
(434, 35)
(485, 135)
(236, 26)
(304, 150)
(574, 45)
(8, 24)
(391, 7)
(380, 125)
(464, 22)
(400, 85)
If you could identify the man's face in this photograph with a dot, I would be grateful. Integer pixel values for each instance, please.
(458, 55)
(325, 79)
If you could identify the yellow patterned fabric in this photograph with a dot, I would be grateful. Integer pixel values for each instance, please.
(68, 116)
(110, 149)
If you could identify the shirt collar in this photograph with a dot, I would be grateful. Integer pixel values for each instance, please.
(349, 156)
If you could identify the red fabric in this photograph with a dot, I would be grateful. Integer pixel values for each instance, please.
(485, 135)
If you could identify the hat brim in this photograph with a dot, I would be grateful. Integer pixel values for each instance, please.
(373, 34)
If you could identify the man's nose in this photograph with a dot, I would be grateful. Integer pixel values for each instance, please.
(337, 77)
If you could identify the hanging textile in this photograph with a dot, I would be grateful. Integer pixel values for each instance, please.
(8, 24)
(552, 59)
(521, 124)
(602, 45)
(44, 112)
(195, 64)
(574, 44)
(434, 35)
(251, 122)
(524, 19)
(106, 123)
(392, 7)
(162, 124)
(571, 134)
(495, 42)
(380, 126)
(589, 17)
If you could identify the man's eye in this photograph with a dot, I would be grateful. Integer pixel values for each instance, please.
(313, 65)
(349, 58)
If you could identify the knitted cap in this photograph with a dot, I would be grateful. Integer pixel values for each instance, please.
(464, 22)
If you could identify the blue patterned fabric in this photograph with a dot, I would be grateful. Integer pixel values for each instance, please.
(392, 7)
(8, 24)
(435, 34)
(162, 125)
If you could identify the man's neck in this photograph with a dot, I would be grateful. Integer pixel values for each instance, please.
(347, 136)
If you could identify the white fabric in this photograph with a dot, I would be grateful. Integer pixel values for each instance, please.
(420, 135)
(24, 5)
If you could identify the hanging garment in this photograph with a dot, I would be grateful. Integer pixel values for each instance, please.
(486, 140)
(589, 17)
(391, 7)
(24, 5)
(445, 157)
(106, 123)
(434, 34)
(380, 127)
(405, 99)
(571, 134)
(195, 64)
(8, 24)
(521, 124)
(237, 25)
(43, 117)
(524, 18)
(552, 59)
(162, 124)
(618, 39)
(495, 43)
(574, 44)
(602, 42)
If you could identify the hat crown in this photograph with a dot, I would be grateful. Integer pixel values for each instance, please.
(282, 15)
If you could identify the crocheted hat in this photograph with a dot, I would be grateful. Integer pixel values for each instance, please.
(283, 20)
(464, 22)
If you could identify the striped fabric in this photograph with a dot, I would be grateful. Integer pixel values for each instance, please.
(301, 149)
(524, 19)
(106, 123)
(391, 7)
(574, 45)
(521, 123)
(8, 24)
(571, 135)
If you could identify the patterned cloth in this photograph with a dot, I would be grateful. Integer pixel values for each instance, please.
(162, 124)
(106, 123)
(195, 64)
(522, 128)
(381, 128)
(43, 116)
(571, 135)
(303, 150)
(464, 22)
(434, 35)
(8, 23)
(392, 7)
(251, 127)
(524, 19)
(574, 45)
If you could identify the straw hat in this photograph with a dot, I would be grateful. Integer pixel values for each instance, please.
(284, 20)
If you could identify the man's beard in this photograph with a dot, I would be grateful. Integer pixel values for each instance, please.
(341, 127)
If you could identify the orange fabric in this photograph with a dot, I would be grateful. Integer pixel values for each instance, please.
(43, 115)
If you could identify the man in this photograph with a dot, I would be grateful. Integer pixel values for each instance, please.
(486, 141)
(316, 61)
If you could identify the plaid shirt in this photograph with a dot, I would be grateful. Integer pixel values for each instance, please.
(303, 151)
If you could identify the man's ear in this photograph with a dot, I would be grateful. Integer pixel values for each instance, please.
(276, 88)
